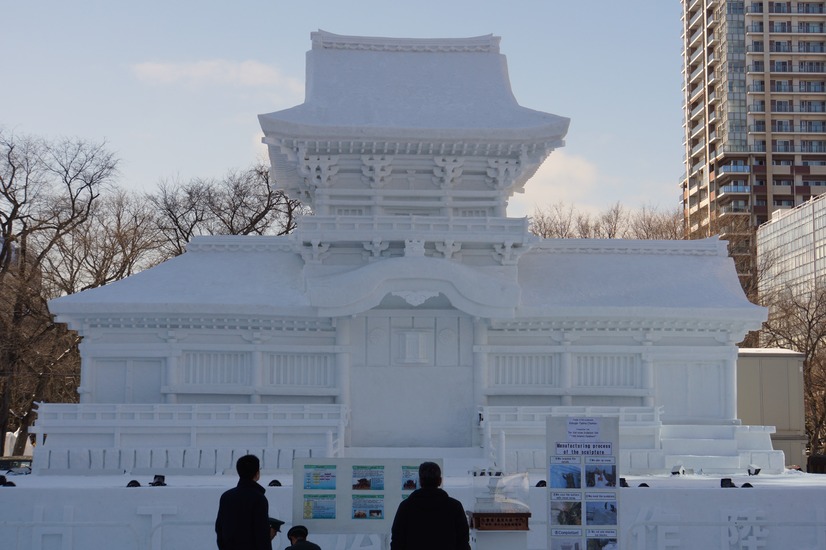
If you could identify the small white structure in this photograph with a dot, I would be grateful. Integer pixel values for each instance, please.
(409, 312)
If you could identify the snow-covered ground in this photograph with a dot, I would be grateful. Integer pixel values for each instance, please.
(782, 512)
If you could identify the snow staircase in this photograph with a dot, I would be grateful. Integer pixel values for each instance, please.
(515, 438)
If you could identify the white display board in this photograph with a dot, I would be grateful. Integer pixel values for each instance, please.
(583, 483)
(352, 495)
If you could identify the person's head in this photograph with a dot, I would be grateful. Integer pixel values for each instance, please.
(430, 475)
(248, 467)
(275, 526)
(296, 533)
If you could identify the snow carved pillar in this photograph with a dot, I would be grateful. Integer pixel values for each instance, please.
(480, 368)
(343, 360)
(257, 366)
(172, 376)
(566, 374)
(84, 392)
(730, 384)
(648, 377)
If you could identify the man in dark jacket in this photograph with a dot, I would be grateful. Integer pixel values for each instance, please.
(429, 519)
(298, 539)
(243, 513)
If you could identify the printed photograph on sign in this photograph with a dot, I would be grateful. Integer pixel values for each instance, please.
(368, 506)
(319, 507)
(566, 512)
(368, 478)
(601, 512)
(565, 544)
(320, 477)
(566, 476)
(600, 476)
(602, 544)
(410, 478)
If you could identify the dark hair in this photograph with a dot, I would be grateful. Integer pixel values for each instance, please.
(298, 531)
(430, 475)
(247, 466)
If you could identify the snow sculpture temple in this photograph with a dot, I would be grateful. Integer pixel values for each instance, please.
(409, 313)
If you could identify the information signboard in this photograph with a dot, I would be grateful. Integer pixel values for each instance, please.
(352, 495)
(583, 495)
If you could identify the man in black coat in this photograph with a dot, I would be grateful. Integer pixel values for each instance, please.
(429, 519)
(298, 539)
(243, 513)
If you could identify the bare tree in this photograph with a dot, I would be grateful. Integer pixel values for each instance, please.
(120, 238)
(241, 203)
(561, 221)
(556, 221)
(797, 321)
(47, 190)
(651, 223)
(613, 222)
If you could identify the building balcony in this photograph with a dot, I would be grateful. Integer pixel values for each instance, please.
(807, 88)
(734, 209)
(732, 169)
(809, 8)
(695, 18)
(696, 73)
(781, 170)
(697, 34)
(733, 190)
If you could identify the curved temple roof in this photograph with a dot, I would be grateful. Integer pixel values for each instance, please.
(392, 87)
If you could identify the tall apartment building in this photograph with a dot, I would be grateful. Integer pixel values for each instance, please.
(755, 113)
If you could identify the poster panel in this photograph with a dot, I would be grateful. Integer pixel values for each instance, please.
(352, 495)
(583, 482)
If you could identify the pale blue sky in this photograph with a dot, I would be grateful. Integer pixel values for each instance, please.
(174, 87)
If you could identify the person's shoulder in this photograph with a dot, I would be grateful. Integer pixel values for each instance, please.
(456, 502)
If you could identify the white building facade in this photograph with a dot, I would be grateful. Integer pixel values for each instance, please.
(408, 313)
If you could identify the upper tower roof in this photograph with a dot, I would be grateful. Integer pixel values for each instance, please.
(407, 100)
(404, 87)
